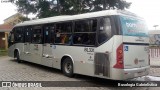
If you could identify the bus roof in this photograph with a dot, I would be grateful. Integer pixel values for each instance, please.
(75, 17)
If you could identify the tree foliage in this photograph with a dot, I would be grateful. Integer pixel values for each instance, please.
(48, 8)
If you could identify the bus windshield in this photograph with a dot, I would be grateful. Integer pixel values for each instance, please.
(133, 27)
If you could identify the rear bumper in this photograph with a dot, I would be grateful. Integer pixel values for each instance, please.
(123, 74)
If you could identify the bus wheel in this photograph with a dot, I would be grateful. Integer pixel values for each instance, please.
(17, 57)
(67, 67)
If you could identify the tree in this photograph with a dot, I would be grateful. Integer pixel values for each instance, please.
(48, 8)
(22, 18)
(82, 6)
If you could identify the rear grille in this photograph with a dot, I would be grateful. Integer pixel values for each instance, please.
(102, 64)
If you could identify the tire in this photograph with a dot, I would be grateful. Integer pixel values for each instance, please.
(67, 67)
(18, 57)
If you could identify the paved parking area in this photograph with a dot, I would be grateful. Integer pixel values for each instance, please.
(10, 70)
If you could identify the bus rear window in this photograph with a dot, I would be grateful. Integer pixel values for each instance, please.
(133, 27)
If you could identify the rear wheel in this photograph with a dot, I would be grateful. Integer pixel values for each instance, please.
(67, 67)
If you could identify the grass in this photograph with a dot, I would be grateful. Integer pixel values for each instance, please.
(3, 52)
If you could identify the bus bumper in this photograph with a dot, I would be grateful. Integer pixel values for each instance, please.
(123, 74)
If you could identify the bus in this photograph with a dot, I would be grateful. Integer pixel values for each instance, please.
(109, 44)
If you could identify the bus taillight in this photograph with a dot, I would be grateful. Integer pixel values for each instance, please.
(119, 57)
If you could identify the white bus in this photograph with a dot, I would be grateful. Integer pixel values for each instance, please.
(110, 44)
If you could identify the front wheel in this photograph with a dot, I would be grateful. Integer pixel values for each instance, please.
(67, 67)
(18, 57)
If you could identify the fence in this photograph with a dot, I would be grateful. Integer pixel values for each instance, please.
(155, 56)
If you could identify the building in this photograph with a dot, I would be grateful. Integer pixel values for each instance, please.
(4, 31)
(14, 19)
(7, 27)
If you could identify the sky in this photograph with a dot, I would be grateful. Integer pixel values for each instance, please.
(7, 9)
(148, 9)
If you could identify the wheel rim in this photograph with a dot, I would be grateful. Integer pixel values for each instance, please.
(68, 67)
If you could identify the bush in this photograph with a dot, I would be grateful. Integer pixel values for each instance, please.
(3, 52)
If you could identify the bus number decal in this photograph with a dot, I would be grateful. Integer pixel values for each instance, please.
(88, 49)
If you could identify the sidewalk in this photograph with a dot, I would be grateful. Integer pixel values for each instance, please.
(155, 71)
(155, 61)
(155, 67)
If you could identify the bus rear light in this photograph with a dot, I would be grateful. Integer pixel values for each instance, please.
(120, 62)
(120, 50)
(119, 57)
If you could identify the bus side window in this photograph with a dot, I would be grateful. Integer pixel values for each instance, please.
(46, 34)
(49, 34)
(18, 34)
(37, 35)
(58, 31)
(52, 34)
(85, 32)
(104, 30)
(63, 33)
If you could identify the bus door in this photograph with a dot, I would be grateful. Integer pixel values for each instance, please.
(27, 40)
(27, 53)
(47, 56)
(36, 46)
